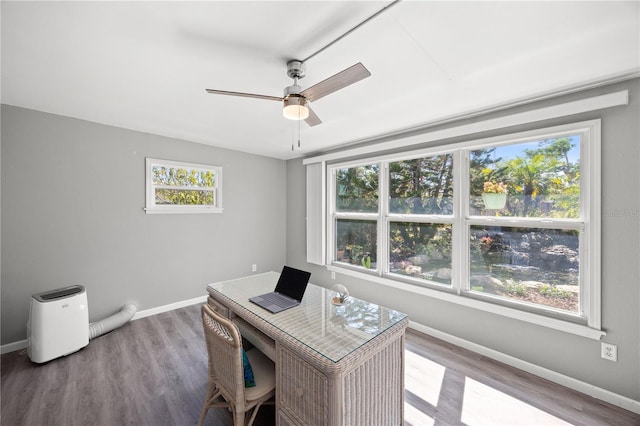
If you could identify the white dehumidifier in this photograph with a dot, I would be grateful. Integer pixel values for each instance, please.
(58, 323)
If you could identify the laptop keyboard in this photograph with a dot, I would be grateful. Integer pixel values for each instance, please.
(277, 300)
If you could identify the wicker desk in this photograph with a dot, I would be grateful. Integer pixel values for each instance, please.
(336, 365)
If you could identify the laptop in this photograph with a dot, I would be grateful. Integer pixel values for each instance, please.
(288, 292)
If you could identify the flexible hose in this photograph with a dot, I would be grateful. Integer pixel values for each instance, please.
(111, 323)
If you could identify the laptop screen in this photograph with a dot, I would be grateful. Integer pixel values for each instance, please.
(293, 282)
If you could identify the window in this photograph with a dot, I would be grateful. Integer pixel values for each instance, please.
(420, 218)
(537, 261)
(176, 187)
(356, 213)
(511, 221)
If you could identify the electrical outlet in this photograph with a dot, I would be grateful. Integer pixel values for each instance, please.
(254, 267)
(333, 275)
(609, 351)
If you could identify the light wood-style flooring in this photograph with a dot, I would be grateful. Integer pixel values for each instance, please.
(152, 371)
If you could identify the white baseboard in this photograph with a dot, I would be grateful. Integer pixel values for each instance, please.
(169, 307)
(22, 344)
(15, 346)
(561, 379)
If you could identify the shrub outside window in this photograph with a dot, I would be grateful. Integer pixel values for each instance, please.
(178, 187)
(356, 243)
(510, 220)
(356, 207)
(420, 217)
(421, 250)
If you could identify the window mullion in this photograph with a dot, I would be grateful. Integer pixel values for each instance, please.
(460, 232)
(383, 225)
(331, 217)
(354, 215)
(419, 218)
(526, 222)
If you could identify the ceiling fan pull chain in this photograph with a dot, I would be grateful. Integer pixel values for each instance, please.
(299, 129)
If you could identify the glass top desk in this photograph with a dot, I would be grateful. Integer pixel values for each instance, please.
(335, 365)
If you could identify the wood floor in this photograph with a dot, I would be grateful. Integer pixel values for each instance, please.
(153, 372)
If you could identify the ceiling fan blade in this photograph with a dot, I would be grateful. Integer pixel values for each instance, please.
(336, 82)
(246, 95)
(312, 119)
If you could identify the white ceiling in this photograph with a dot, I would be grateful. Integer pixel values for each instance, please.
(145, 65)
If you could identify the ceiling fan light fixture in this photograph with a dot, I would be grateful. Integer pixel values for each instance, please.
(295, 107)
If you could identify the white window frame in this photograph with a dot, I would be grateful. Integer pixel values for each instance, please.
(586, 323)
(153, 208)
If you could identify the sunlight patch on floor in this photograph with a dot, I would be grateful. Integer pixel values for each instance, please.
(415, 417)
(483, 405)
(425, 380)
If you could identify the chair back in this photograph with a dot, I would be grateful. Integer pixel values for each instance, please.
(224, 346)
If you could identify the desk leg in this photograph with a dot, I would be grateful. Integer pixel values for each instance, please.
(374, 389)
(367, 389)
(301, 390)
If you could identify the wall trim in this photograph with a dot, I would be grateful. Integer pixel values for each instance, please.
(578, 385)
(22, 344)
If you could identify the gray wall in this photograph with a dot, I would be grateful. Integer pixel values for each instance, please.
(564, 353)
(73, 194)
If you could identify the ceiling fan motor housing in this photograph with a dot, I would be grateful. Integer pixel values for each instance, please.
(296, 69)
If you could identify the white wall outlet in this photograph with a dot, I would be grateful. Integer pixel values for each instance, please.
(333, 275)
(609, 351)
(254, 267)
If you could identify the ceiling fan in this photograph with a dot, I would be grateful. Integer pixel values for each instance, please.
(296, 101)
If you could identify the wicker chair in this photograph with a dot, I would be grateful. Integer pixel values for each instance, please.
(226, 378)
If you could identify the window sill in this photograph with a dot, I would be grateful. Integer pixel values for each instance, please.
(174, 210)
(532, 318)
